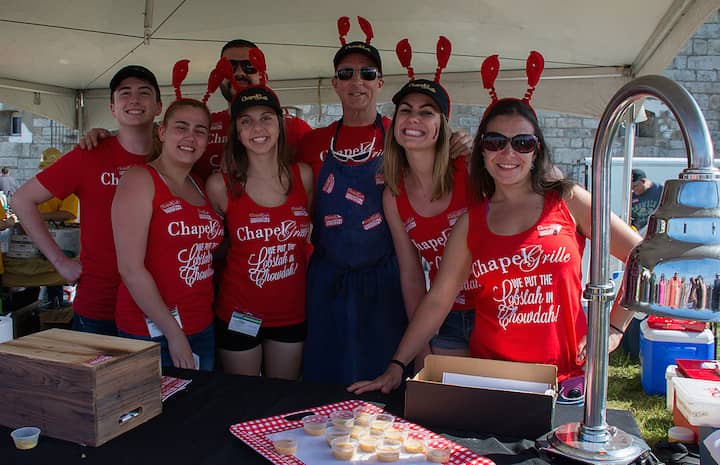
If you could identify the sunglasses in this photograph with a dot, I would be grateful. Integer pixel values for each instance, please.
(521, 143)
(367, 73)
(245, 65)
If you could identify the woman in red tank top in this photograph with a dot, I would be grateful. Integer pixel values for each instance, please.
(522, 244)
(165, 231)
(425, 195)
(260, 309)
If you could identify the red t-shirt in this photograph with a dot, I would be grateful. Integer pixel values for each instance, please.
(529, 285)
(353, 141)
(211, 161)
(429, 234)
(93, 177)
(267, 258)
(180, 242)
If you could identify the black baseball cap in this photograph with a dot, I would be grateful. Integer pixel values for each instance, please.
(135, 71)
(358, 47)
(255, 96)
(638, 174)
(430, 88)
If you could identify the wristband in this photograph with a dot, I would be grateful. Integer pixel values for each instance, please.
(617, 329)
(398, 363)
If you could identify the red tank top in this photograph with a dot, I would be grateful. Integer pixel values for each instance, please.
(267, 258)
(529, 285)
(181, 239)
(430, 234)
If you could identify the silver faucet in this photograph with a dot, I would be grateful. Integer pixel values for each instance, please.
(682, 243)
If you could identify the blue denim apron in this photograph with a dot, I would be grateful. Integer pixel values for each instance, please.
(356, 315)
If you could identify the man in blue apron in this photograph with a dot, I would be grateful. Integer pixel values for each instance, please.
(356, 315)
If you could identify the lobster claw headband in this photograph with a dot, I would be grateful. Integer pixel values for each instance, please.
(364, 48)
(180, 72)
(491, 67)
(432, 89)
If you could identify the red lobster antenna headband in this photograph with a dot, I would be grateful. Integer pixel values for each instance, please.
(180, 72)
(433, 88)
(491, 67)
(343, 25)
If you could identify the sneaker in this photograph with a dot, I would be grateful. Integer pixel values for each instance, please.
(572, 391)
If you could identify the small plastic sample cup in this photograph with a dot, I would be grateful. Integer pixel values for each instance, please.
(388, 450)
(415, 442)
(381, 423)
(437, 450)
(342, 419)
(397, 431)
(344, 448)
(333, 432)
(363, 415)
(26, 437)
(285, 446)
(369, 442)
(315, 425)
(357, 431)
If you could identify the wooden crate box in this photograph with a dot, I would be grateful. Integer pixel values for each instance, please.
(84, 388)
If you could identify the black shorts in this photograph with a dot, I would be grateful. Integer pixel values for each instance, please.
(230, 340)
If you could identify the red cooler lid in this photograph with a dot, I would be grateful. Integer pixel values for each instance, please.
(660, 322)
(699, 369)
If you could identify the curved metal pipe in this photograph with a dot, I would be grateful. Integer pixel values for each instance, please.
(699, 148)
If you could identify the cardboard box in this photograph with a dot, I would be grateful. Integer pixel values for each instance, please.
(84, 388)
(502, 412)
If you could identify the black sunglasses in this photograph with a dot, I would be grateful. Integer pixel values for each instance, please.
(367, 73)
(245, 65)
(521, 143)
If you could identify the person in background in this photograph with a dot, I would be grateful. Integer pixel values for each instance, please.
(57, 211)
(265, 199)
(645, 199)
(425, 194)
(134, 102)
(8, 183)
(165, 231)
(526, 264)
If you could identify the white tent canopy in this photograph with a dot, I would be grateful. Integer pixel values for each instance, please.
(57, 53)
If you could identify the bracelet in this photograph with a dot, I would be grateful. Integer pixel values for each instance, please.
(398, 363)
(617, 329)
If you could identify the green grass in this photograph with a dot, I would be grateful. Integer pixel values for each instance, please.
(625, 392)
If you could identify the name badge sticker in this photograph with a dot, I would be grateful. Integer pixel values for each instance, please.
(329, 184)
(155, 330)
(245, 323)
(355, 196)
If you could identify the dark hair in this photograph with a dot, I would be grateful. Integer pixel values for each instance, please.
(235, 158)
(542, 176)
(237, 43)
(176, 105)
(5, 170)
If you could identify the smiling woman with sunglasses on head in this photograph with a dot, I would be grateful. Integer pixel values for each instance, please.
(522, 244)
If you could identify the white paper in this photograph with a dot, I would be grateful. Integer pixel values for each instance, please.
(712, 442)
(487, 382)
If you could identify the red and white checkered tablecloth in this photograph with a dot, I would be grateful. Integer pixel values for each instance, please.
(254, 433)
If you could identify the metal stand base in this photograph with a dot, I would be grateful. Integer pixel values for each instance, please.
(621, 448)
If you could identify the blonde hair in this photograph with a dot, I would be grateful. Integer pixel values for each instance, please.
(396, 164)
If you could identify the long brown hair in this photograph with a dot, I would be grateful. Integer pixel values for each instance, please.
(236, 162)
(396, 164)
